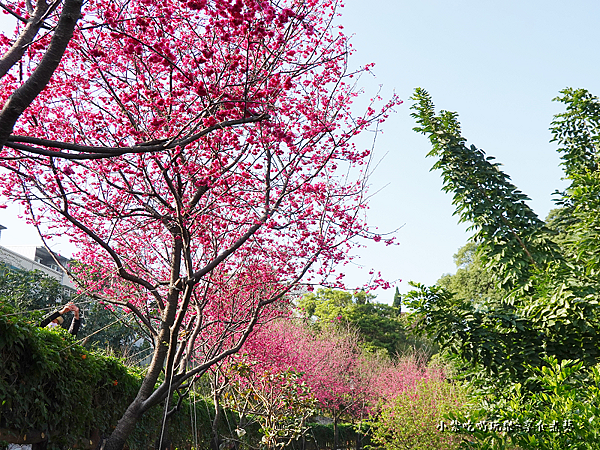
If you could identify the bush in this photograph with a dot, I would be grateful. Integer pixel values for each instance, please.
(51, 384)
(410, 419)
(563, 415)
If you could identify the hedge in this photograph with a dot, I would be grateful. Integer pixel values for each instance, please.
(50, 384)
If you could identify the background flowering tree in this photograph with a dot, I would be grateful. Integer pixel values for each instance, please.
(231, 174)
(346, 381)
(331, 364)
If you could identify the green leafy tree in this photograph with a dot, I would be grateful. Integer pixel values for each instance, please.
(116, 332)
(29, 290)
(562, 415)
(325, 304)
(381, 327)
(547, 277)
(471, 281)
(397, 303)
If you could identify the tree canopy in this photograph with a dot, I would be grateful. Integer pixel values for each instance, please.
(471, 281)
(232, 173)
(380, 326)
(545, 299)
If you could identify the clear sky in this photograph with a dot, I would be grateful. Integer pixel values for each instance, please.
(499, 64)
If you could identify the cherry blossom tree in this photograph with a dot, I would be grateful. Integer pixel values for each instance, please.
(57, 23)
(199, 154)
(338, 372)
(346, 381)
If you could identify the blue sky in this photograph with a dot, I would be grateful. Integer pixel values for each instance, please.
(499, 64)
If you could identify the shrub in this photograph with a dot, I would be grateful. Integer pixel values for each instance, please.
(410, 419)
(564, 414)
(51, 384)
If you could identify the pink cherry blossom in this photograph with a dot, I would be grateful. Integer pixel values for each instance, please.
(199, 155)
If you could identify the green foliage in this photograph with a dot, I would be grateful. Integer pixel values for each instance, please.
(49, 383)
(516, 243)
(397, 303)
(471, 281)
(564, 414)
(29, 290)
(113, 331)
(102, 328)
(466, 315)
(577, 131)
(482, 336)
(546, 297)
(519, 340)
(326, 304)
(409, 421)
(380, 325)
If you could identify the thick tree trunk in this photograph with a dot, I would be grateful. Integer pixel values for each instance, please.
(139, 406)
(124, 427)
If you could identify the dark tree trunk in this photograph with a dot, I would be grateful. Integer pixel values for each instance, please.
(124, 428)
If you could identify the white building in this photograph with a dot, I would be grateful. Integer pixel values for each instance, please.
(31, 257)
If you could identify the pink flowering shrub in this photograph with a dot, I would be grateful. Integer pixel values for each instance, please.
(348, 383)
